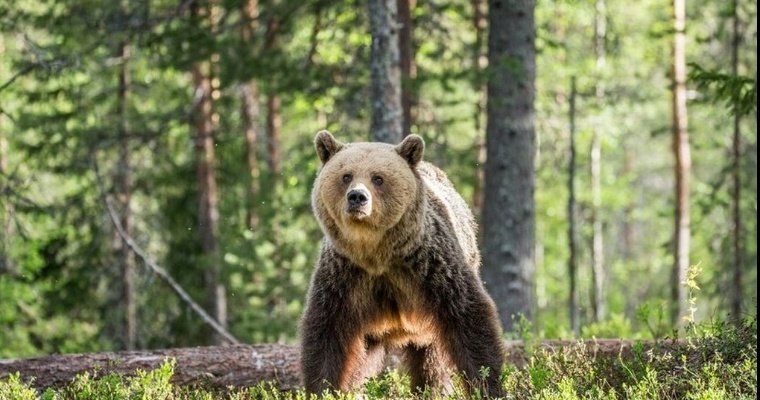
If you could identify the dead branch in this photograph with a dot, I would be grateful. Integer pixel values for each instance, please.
(158, 270)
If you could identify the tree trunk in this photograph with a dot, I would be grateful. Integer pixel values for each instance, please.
(509, 210)
(572, 235)
(314, 37)
(249, 113)
(408, 67)
(239, 366)
(274, 120)
(598, 303)
(274, 124)
(123, 193)
(479, 63)
(628, 224)
(387, 114)
(7, 266)
(682, 166)
(738, 265)
(274, 156)
(208, 194)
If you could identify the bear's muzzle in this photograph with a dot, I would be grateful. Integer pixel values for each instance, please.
(359, 202)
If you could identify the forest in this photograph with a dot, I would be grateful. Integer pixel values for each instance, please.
(156, 154)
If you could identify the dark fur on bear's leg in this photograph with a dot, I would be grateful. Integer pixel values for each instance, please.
(332, 345)
(469, 328)
(474, 343)
(427, 368)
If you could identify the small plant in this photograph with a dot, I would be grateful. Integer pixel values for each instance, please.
(654, 318)
(13, 388)
(691, 289)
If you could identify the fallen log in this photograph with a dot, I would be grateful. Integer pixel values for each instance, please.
(236, 365)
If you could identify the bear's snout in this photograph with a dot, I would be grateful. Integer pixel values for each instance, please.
(359, 201)
(357, 198)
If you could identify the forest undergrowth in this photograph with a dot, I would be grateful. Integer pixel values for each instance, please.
(714, 360)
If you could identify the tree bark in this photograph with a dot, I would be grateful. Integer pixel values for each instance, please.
(208, 195)
(572, 235)
(249, 112)
(509, 210)
(239, 366)
(598, 303)
(479, 63)
(738, 265)
(682, 165)
(123, 194)
(408, 67)
(387, 114)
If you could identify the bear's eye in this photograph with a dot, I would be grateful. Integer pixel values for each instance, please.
(377, 180)
(347, 178)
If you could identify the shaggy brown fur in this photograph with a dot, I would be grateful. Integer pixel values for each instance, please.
(399, 269)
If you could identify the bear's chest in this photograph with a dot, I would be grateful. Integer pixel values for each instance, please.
(396, 313)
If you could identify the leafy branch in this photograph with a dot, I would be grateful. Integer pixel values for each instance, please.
(739, 92)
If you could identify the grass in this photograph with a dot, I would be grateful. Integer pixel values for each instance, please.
(716, 361)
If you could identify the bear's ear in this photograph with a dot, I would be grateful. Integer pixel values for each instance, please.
(411, 149)
(326, 145)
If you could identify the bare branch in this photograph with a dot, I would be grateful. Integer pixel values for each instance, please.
(162, 273)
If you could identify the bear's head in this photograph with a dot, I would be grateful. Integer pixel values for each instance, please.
(364, 189)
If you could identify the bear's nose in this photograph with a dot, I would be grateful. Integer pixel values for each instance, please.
(357, 197)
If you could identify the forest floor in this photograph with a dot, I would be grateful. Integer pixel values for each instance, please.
(716, 361)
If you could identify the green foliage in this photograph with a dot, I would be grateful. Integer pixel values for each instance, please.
(59, 70)
(739, 93)
(718, 362)
(654, 319)
(13, 388)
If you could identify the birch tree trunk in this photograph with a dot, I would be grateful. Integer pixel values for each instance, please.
(509, 210)
(387, 114)
(682, 165)
(598, 303)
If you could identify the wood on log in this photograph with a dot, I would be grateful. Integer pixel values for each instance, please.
(237, 365)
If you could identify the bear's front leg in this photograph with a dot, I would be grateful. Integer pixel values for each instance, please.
(428, 369)
(332, 347)
(471, 333)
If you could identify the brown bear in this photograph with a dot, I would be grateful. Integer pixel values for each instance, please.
(399, 268)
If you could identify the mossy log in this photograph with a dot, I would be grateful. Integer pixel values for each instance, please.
(236, 365)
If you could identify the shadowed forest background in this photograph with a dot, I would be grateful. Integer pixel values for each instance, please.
(197, 117)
